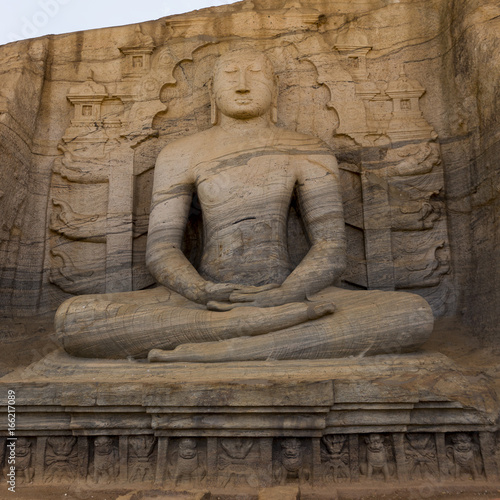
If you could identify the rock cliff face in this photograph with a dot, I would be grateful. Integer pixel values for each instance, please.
(406, 93)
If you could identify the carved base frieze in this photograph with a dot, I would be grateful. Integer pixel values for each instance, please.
(256, 462)
(317, 426)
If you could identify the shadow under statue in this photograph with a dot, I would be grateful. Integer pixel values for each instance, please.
(245, 301)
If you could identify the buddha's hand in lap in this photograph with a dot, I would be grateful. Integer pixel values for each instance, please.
(221, 292)
(262, 297)
(271, 296)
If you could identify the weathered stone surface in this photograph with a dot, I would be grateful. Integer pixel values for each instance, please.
(245, 300)
(406, 96)
(306, 424)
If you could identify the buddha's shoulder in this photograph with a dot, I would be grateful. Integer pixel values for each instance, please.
(186, 146)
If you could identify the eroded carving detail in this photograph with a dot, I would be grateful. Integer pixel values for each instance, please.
(464, 456)
(238, 461)
(61, 459)
(378, 462)
(141, 458)
(25, 460)
(421, 456)
(189, 463)
(106, 465)
(292, 465)
(77, 226)
(335, 457)
(137, 54)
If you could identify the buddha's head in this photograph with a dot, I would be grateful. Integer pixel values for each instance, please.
(243, 86)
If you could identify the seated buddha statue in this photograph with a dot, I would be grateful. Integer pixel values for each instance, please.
(245, 300)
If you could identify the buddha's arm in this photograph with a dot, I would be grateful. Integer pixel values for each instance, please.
(322, 213)
(172, 194)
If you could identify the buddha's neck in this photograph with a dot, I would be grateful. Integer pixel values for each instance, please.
(241, 126)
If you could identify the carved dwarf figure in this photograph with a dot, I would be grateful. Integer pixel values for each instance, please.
(292, 465)
(141, 458)
(24, 465)
(61, 459)
(189, 462)
(245, 300)
(335, 457)
(233, 463)
(377, 457)
(106, 465)
(463, 454)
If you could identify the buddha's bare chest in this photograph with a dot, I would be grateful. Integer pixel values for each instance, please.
(240, 183)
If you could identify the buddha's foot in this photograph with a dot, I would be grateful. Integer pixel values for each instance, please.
(316, 310)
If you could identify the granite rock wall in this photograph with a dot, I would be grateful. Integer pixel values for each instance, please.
(351, 62)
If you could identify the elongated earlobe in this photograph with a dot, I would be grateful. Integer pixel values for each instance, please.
(214, 112)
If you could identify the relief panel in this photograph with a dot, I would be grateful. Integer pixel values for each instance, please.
(421, 456)
(335, 458)
(61, 459)
(25, 460)
(188, 461)
(377, 461)
(238, 461)
(292, 461)
(141, 458)
(106, 465)
(464, 456)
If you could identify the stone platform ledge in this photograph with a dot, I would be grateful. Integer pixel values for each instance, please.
(388, 418)
(397, 393)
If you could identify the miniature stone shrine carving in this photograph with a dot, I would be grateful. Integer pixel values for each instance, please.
(245, 301)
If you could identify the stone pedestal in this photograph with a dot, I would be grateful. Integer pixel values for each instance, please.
(315, 424)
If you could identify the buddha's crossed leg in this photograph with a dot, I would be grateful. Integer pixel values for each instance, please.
(370, 322)
(130, 324)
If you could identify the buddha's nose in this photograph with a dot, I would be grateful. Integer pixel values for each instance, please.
(242, 87)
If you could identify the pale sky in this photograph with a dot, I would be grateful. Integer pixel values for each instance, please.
(22, 19)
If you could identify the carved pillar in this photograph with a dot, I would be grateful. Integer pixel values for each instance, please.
(441, 453)
(212, 461)
(162, 461)
(266, 460)
(119, 232)
(41, 444)
(487, 441)
(83, 457)
(354, 457)
(123, 452)
(399, 451)
(378, 239)
(316, 462)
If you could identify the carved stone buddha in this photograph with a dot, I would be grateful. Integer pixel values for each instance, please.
(245, 301)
